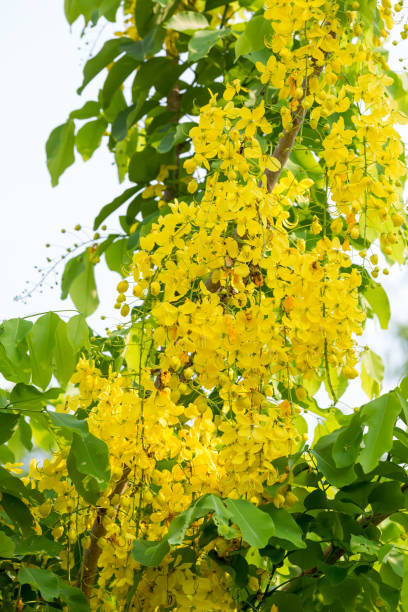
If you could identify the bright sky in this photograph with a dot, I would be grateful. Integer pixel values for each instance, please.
(39, 82)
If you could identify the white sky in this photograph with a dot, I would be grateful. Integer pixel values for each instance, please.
(39, 80)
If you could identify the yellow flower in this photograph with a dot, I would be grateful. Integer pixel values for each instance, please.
(315, 228)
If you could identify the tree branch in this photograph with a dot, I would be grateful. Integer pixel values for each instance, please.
(286, 142)
(284, 147)
(89, 566)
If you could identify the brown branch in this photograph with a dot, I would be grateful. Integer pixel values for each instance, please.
(284, 147)
(174, 105)
(287, 141)
(89, 566)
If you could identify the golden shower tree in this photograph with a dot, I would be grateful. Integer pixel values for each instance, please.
(265, 178)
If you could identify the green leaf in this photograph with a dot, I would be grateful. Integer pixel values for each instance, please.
(116, 76)
(130, 115)
(18, 513)
(256, 526)
(13, 485)
(116, 106)
(144, 165)
(108, 209)
(89, 137)
(41, 342)
(404, 588)
(338, 477)
(360, 544)
(118, 257)
(187, 21)
(69, 422)
(6, 455)
(8, 422)
(25, 433)
(167, 142)
(122, 159)
(136, 348)
(379, 417)
(212, 4)
(386, 497)
(139, 205)
(403, 387)
(399, 89)
(175, 136)
(41, 434)
(86, 486)
(202, 41)
(83, 289)
(7, 368)
(378, 300)
(204, 505)
(12, 333)
(60, 150)
(404, 402)
(26, 397)
(372, 373)
(43, 580)
(92, 457)
(75, 8)
(252, 39)
(110, 50)
(284, 602)
(139, 49)
(73, 268)
(306, 162)
(221, 516)
(150, 554)
(286, 527)
(6, 545)
(123, 121)
(38, 545)
(347, 445)
(78, 332)
(65, 357)
(88, 465)
(73, 597)
(144, 16)
(88, 110)
(109, 8)
(158, 72)
(71, 11)
(334, 574)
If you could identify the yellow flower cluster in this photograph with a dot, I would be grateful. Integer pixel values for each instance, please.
(235, 297)
(174, 453)
(207, 587)
(364, 181)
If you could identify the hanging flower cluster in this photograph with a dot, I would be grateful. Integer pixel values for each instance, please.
(364, 180)
(174, 453)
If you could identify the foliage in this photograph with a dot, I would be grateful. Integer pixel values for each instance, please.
(266, 178)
